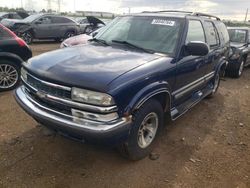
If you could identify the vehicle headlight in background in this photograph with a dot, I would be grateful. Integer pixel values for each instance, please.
(24, 74)
(91, 97)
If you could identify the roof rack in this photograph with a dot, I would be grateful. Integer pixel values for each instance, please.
(178, 11)
(205, 15)
(186, 12)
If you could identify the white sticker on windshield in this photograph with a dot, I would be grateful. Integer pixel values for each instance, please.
(163, 22)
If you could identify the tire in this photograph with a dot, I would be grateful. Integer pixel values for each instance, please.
(27, 37)
(216, 84)
(9, 75)
(69, 34)
(135, 148)
(235, 70)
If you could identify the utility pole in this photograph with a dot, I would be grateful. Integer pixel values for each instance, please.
(59, 5)
(246, 15)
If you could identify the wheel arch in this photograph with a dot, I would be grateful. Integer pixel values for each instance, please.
(221, 67)
(158, 90)
(11, 57)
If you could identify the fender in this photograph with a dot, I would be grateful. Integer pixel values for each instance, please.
(150, 91)
(222, 62)
(11, 56)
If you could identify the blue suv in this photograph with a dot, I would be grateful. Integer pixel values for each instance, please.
(118, 88)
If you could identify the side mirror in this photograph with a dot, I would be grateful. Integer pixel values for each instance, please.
(197, 48)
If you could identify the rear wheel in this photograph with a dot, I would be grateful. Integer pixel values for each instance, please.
(146, 126)
(27, 37)
(69, 34)
(9, 75)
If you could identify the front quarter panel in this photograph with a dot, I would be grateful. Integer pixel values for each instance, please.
(136, 85)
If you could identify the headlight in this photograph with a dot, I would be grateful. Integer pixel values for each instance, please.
(91, 97)
(24, 74)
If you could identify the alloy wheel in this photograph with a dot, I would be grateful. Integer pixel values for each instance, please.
(148, 130)
(8, 76)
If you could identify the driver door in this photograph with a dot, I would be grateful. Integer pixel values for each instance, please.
(190, 69)
(42, 27)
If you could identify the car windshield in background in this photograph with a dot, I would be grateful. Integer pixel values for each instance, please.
(32, 18)
(151, 33)
(237, 35)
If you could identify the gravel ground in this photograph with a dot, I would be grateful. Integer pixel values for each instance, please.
(207, 147)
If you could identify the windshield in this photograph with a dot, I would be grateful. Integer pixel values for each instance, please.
(237, 35)
(32, 18)
(152, 33)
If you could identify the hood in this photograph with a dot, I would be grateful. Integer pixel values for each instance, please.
(76, 40)
(11, 22)
(95, 21)
(87, 66)
(237, 44)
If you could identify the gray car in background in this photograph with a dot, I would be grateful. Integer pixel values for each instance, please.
(43, 26)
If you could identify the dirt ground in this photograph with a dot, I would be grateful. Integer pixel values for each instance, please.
(207, 147)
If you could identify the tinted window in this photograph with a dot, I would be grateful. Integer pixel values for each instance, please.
(195, 31)
(4, 34)
(237, 35)
(16, 16)
(221, 28)
(45, 20)
(212, 35)
(61, 20)
(153, 33)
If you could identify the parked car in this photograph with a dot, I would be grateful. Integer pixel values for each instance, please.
(43, 26)
(118, 89)
(13, 52)
(13, 15)
(240, 50)
(79, 39)
(90, 24)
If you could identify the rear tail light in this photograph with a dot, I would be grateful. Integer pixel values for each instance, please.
(20, 41)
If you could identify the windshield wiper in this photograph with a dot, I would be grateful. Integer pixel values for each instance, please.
(99, 41)
(133, 46)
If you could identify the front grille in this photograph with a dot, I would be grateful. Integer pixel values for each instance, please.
(40, 86)
(49, 104)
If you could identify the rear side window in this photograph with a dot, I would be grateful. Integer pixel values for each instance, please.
(4, 34)
(61, 20)
(221, 28)
(195, 31)
(212, 35)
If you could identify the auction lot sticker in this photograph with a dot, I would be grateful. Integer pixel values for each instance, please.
(163, 22)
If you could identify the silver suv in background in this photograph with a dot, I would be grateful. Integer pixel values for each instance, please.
(43, 26)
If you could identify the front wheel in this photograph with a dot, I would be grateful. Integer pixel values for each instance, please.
(27, 37)
(236, 70)
(9, 75)
(146, 126)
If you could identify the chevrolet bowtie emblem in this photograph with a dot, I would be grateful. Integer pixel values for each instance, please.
(41, 94)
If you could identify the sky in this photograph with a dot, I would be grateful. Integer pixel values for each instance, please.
(226, 9)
